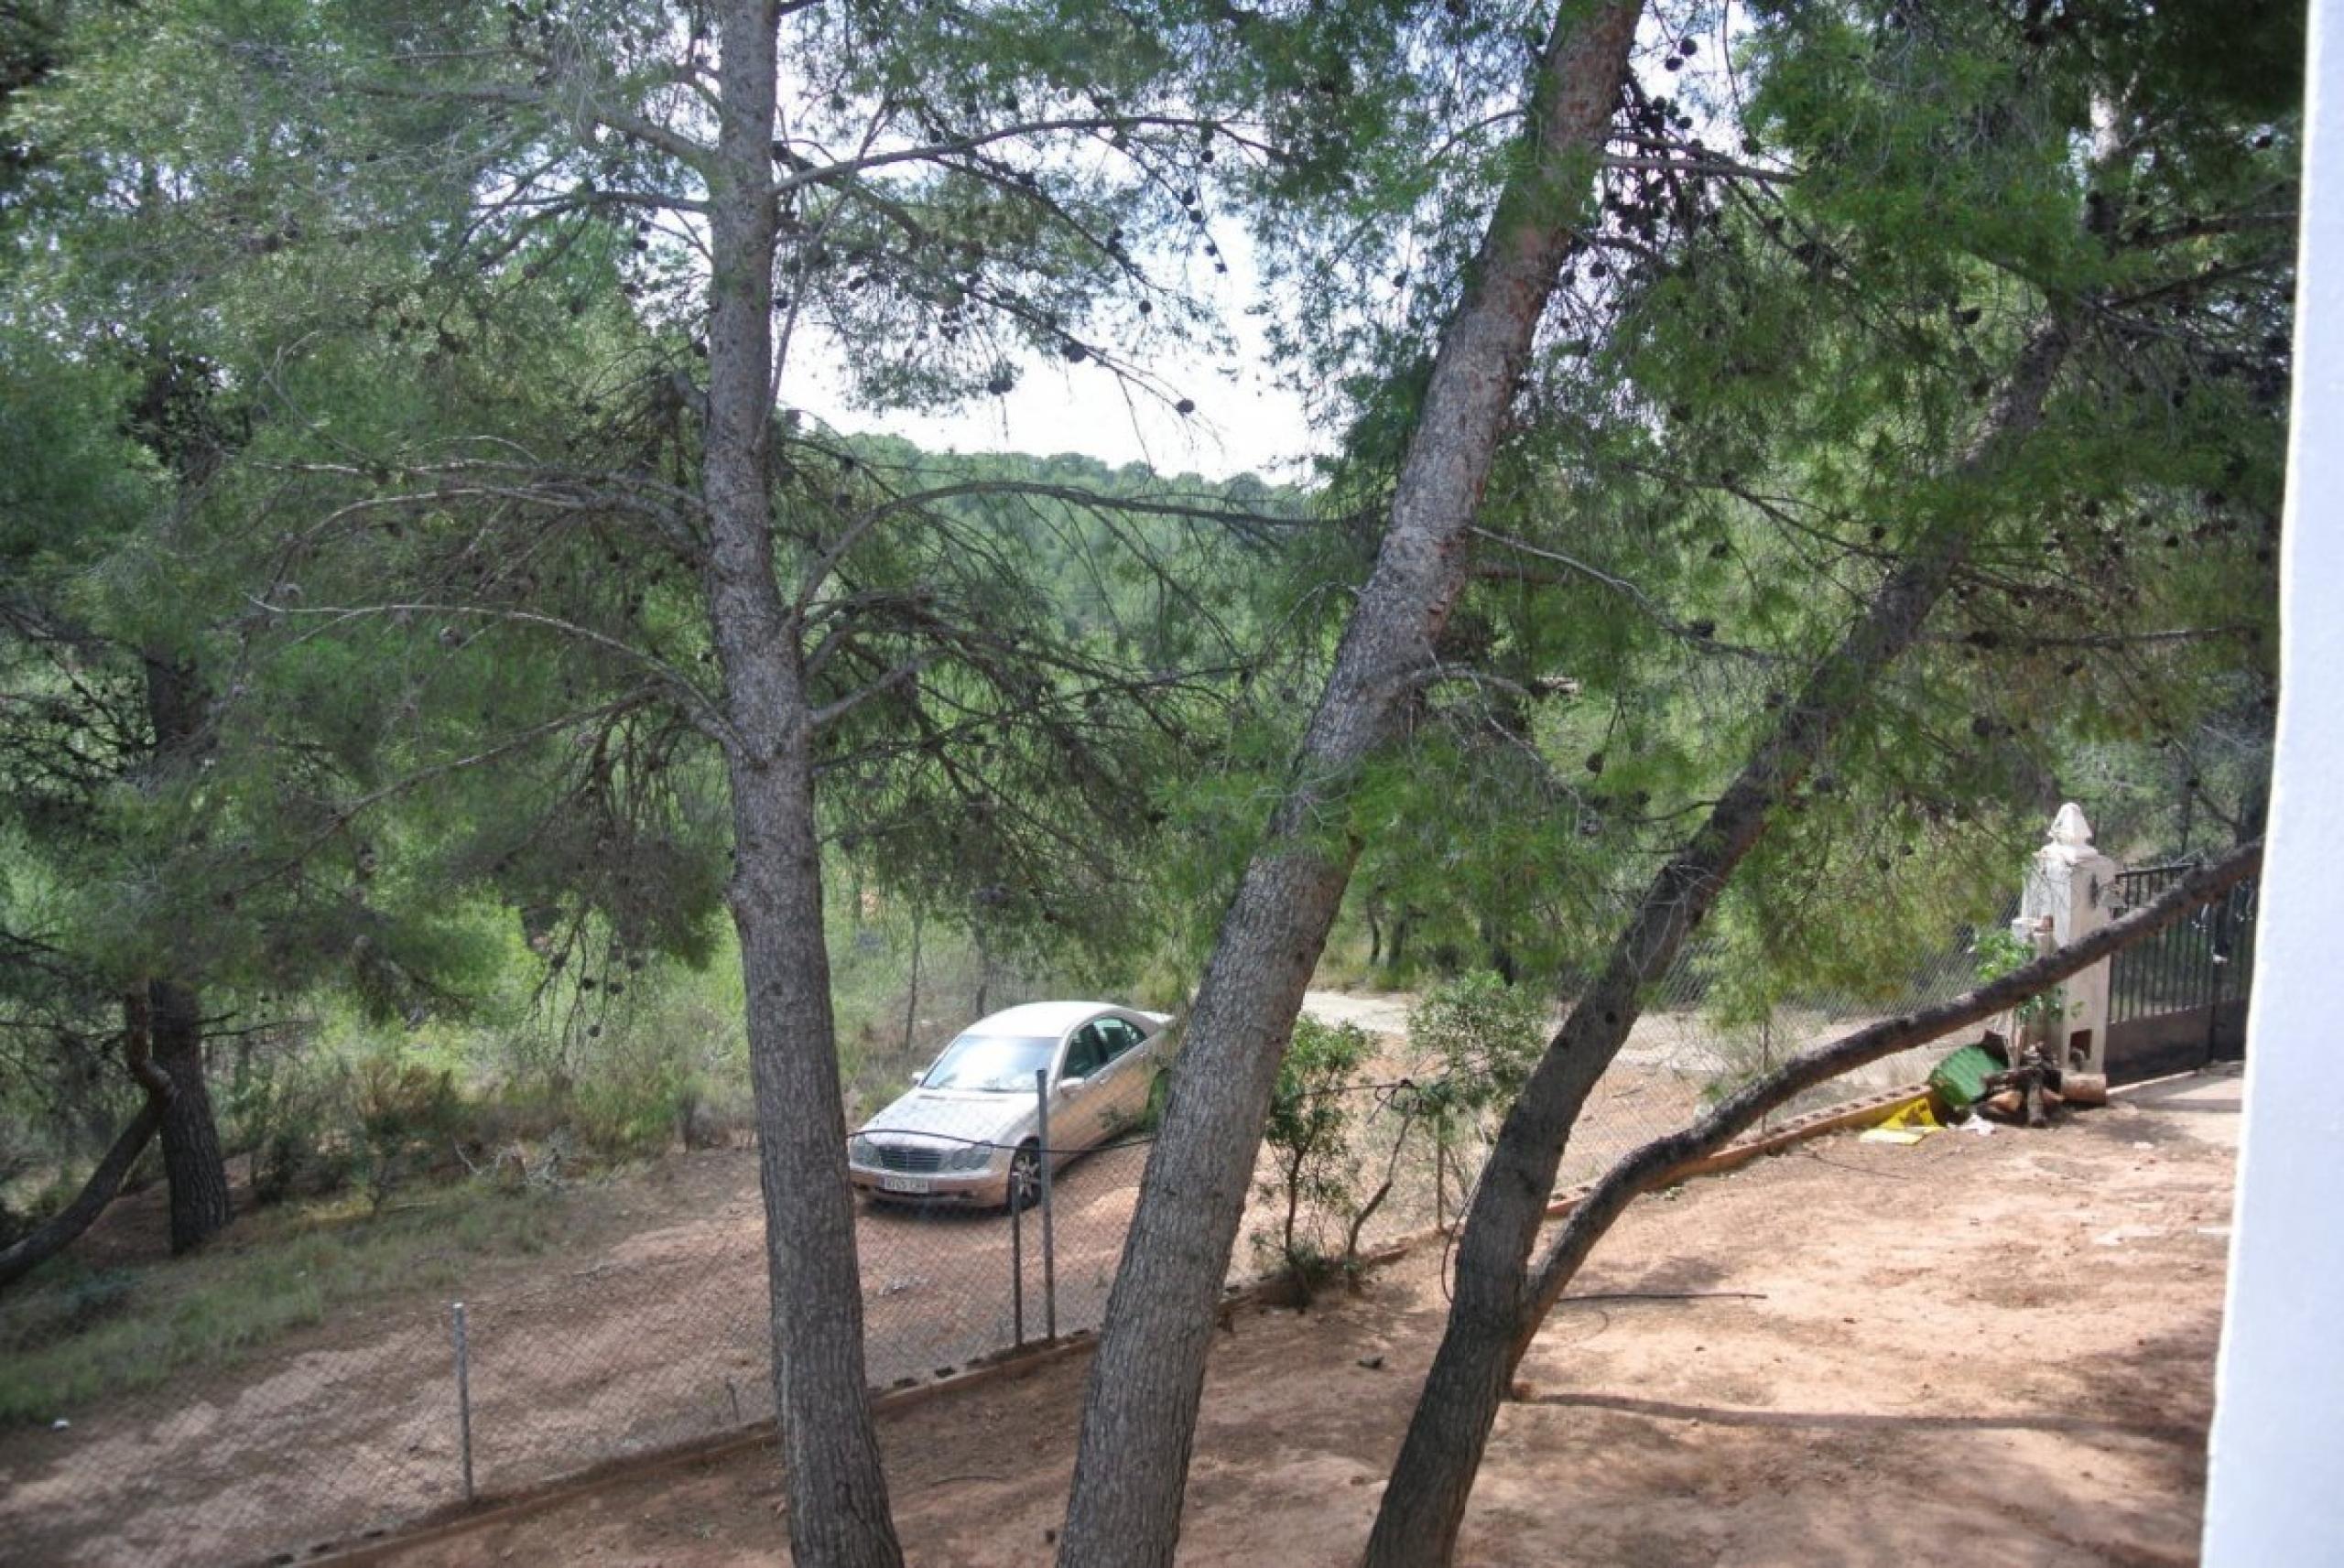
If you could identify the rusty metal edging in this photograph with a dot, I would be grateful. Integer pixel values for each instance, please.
(461, 1520)
(1799, 1129)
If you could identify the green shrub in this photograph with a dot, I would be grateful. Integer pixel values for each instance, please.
(1999, 951)
(1309, 1128)
(293, 1114)
(1480, 1037)
(300, 1163)
(77, 1298)
(406, 1118)
(1485, 1035)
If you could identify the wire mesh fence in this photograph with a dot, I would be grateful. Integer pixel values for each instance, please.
(661, 1339)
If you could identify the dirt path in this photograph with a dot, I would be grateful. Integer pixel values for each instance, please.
(651, 1333)
(1977, 1350)
(644, 1329)
(647, 1329)
(1378, 1014)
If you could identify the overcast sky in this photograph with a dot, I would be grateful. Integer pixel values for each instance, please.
(1244, 422)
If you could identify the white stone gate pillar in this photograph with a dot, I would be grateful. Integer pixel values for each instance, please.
(2073, 884)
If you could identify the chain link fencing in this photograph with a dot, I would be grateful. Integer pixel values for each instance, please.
(660, 1339)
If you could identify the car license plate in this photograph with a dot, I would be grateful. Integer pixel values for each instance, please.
(903, 1184)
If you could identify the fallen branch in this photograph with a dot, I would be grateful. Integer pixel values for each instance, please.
(1663, 1161)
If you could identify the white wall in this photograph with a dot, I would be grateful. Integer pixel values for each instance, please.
(2276, 1495)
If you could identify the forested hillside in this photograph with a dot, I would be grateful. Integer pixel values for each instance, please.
(540, 1015)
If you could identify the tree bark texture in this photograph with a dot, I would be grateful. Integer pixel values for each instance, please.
(1423, 1507)
(195, 1171)
(1139, 1412)
(838, 1497)
(1660, 1161)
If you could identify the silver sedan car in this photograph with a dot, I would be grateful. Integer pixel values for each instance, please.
(970, 1130)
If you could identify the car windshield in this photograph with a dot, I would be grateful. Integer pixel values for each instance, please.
(990, 1064)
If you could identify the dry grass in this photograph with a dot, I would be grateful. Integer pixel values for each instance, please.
(75, 1332)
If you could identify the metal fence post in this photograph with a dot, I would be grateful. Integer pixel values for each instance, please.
(464, 1397)
(1049, 1251)
(1017, 1262)
(2218, 958)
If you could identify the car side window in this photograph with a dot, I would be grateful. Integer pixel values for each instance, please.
(1122, 1034)
(1085, 1052)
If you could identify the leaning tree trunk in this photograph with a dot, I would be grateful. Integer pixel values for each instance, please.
(1663, 1160)
(1139, 1414)
(52, 1236)
(1418, 1521)
(837, 1495)
(61, 1229)
(195, 1171)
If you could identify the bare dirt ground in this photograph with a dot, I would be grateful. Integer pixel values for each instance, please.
(645, 1329)
(1974, 1350)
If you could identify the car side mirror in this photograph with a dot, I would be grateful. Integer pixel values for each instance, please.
(1070, 1082)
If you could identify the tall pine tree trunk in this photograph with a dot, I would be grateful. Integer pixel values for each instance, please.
(1423, 1506)
(1139, 1414)
(838, 1497)
(194, 1170)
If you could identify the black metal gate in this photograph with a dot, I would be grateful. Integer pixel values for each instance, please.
(2177, 1000)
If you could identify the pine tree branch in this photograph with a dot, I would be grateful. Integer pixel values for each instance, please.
(1705, 166)
(699, 707)
(1654, 609)
(893, 679)
(350, 811)
(933, 151)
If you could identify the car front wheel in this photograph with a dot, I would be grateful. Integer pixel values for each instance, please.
(1024, 1178)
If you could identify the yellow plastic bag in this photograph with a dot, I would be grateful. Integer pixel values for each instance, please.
(1907, 1124)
